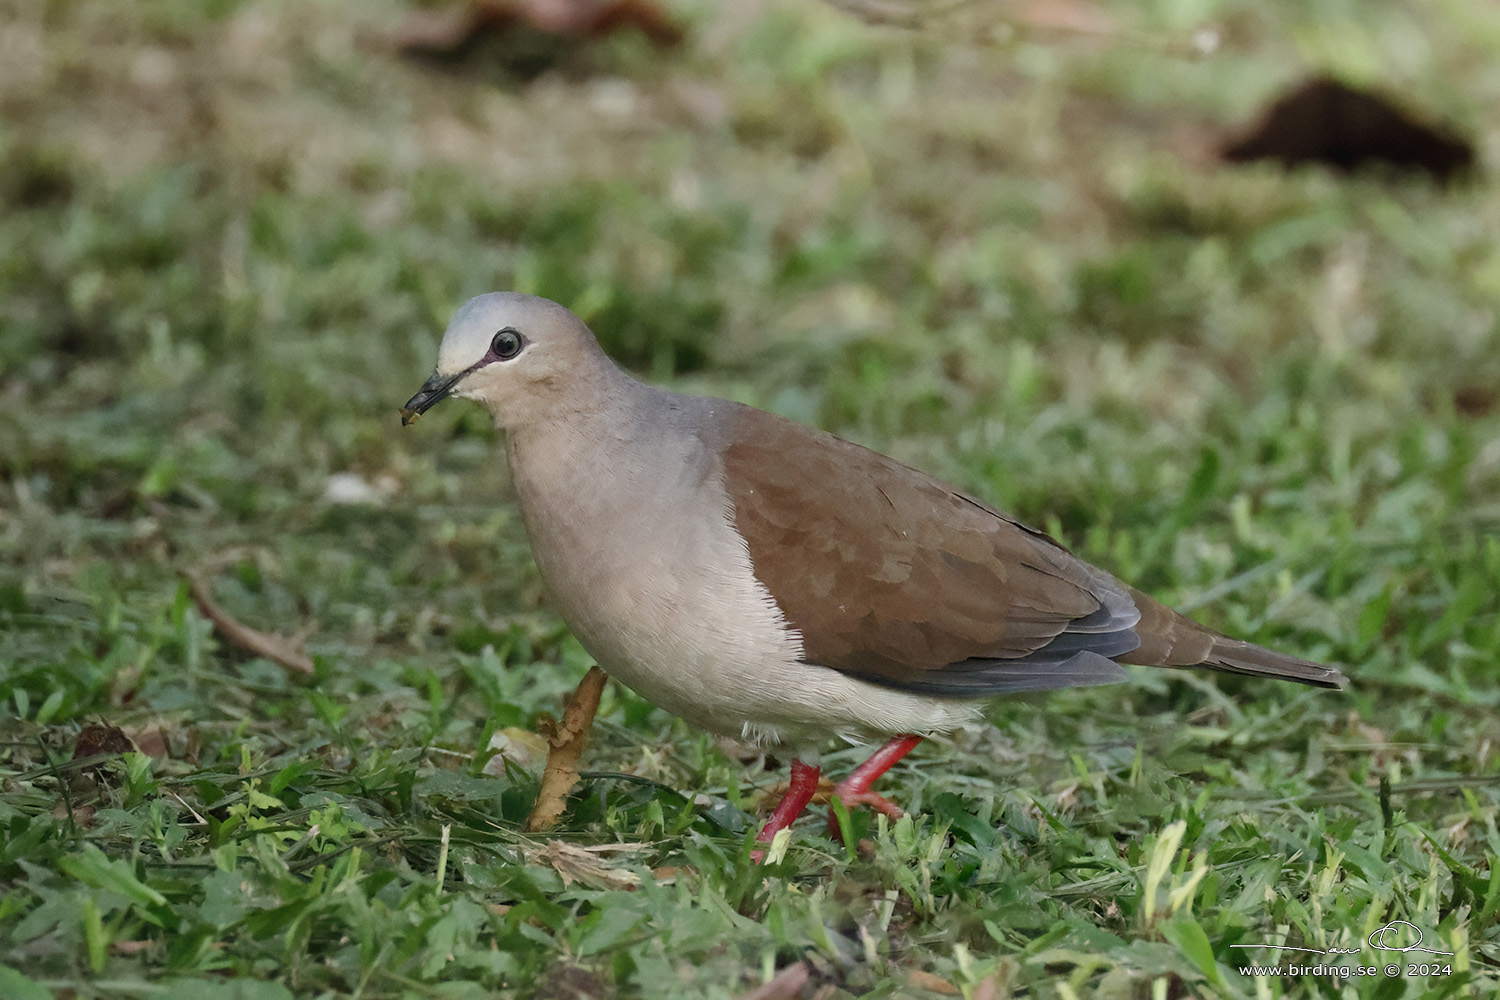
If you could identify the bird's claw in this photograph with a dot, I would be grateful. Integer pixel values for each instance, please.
(851, 798)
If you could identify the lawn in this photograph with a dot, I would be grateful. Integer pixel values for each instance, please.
(230, 236)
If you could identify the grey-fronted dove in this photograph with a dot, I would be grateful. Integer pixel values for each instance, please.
(773, 583)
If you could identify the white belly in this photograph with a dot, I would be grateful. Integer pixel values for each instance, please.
(650, 575)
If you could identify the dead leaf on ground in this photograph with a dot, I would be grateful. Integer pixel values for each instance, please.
(149, 740)
(516, 747)
(129, 949)
(82, 814)
(785, 985)
(1066, 17)
(98, 744)
(917, 979)
(567, 741)
(1475, 400)
(454, 32)
(280, 649)
(100, 739)
(1323, 120)
(990, 987)
(583, 865)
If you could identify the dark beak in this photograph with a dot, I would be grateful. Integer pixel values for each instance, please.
(436, 389)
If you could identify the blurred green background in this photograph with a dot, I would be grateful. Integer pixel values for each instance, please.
(998, 250)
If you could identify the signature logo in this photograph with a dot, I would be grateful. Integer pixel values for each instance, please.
(1387, 938)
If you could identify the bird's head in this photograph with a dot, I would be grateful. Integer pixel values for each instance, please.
(512, 353)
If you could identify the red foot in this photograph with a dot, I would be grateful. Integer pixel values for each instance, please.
(798, 795)
(855, 789)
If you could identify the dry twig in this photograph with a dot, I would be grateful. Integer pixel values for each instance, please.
(566, 742)
(287, 652)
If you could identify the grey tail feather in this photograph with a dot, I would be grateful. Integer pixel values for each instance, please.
(1232, 656)
(984, 678)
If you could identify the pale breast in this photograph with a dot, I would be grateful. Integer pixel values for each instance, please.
(644, 565)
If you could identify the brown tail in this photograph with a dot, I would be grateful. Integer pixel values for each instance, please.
(1169, 639)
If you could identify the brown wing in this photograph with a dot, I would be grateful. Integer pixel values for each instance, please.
(891, 576)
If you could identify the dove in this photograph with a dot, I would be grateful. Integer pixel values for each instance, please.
(771, 582)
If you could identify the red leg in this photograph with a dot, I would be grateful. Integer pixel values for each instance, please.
(804, 784)
(855, 789)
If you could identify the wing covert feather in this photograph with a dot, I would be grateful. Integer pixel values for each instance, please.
(891, 576)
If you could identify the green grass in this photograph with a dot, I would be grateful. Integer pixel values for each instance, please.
(229, 237)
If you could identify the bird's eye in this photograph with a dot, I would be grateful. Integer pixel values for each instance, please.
(507, 344)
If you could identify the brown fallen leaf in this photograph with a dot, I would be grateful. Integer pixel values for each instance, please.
(580, 864)
(447, 32)
(99, 744)
(82, 815)
(149, 740)
(1475, 400)
(278, 648)
(989, 987)
(100, 738)
(518, 748)
(129, 949)
(785, 985)
(917, 979)
(1324, 120)
(1077, 17)
(567, 741)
